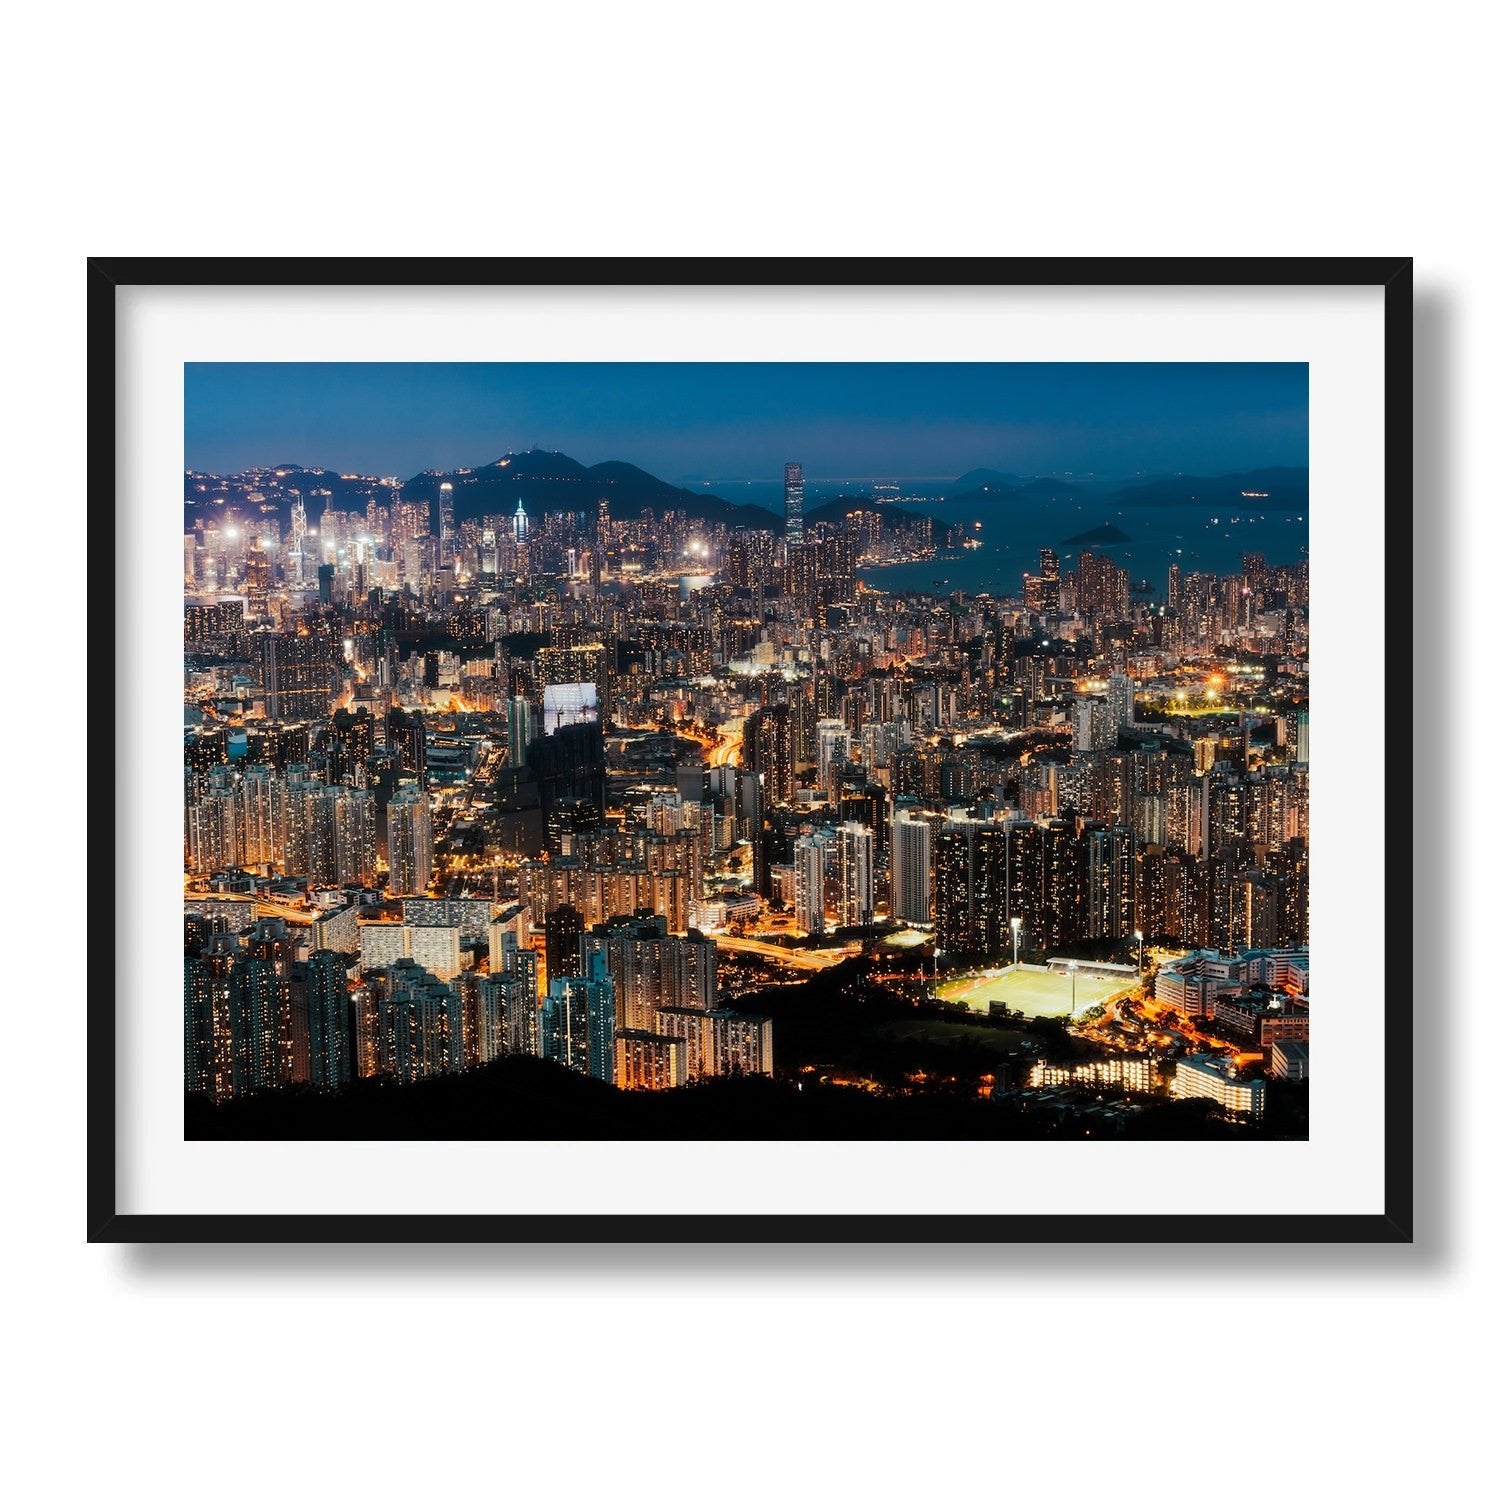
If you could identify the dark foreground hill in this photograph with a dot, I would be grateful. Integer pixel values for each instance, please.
(524, 1099)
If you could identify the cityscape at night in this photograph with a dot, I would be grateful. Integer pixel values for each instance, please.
(746, 752)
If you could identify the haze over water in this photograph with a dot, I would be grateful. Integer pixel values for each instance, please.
(1197, 538)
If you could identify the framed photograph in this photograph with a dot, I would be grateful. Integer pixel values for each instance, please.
(751, 751)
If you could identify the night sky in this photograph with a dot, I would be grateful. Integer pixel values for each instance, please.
(686, 422)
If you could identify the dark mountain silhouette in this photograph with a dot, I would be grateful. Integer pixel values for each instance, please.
(553, 481)
(1106, 535)
(977, 479)
(836, 510)
(1025, 489)
(1264, 489)
(543, 481)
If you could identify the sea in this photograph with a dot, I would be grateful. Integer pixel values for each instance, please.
(1013, 532)
(1012, 538)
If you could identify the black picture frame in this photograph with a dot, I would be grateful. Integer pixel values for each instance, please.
(1394, 1224)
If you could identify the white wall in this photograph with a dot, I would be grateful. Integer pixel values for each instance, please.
(950, 129)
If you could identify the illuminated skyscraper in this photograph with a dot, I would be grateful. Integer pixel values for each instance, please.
(564, 943)
(768, 750)
(833, 751)
(216, 1036)
(645, 1060)
(410, 842)
(299, 673)
(652, 967)
(406, 734)
(855, 891)
(792, 489)
(578, 1021)
(446, 532)
(327, 997)
(420, 1024)
(809, 857)
(518, 729)
(295, 558)
(523, 1036)
(1051, 581)
(969, 888)
(911, 867)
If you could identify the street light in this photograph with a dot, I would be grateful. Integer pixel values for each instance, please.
(1015, 941)
(1073, 1003)
(1140, 959)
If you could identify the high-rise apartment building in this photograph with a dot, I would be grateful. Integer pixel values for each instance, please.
(855, 888)
(300, 673)
(911, 866)
(409, 839)
(652, 968)
(809, 865)
(578, 1021)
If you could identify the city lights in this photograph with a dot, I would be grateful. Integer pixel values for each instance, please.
(587, 787)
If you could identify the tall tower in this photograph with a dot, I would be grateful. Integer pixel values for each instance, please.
(409, 837)
(295, 556)
(445, 524)
(521, 524)
(809, 872)
(856, 880)
(1051, 581)
(793, 496)
(911, 865)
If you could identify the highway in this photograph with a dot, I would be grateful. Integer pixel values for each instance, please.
(793, 958)
(727, 751)
(297, 914)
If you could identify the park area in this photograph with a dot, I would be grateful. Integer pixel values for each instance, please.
(1033, 991)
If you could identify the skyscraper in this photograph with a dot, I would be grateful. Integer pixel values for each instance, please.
(564, 943)
(409, 821)
(446, 532)
(793, 495)
(421, 1028)
(518, 730)
(856, 878)
(652, 968)
(1120, 694)
(406, 734)
(833, 751)
(809, 865)
(327, 990)
(1051, 581)
(911, 867)
(644, 1060)
(970, 888)
(768, 750)
(299, 674)
(578, 1021)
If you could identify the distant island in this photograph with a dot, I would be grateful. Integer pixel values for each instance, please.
(1101, 536)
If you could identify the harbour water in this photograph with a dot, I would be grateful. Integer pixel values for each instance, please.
(1013, 533)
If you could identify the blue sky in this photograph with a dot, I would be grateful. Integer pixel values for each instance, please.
(743, 421)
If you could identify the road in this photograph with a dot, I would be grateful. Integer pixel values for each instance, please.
(299, 915)
(727, 751)
(793, 958)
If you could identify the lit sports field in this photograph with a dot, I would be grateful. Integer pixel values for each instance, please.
(1031, 992)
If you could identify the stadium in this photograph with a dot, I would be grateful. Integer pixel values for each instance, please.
(1050, 989)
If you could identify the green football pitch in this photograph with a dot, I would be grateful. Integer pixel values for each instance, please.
(1031, 993)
